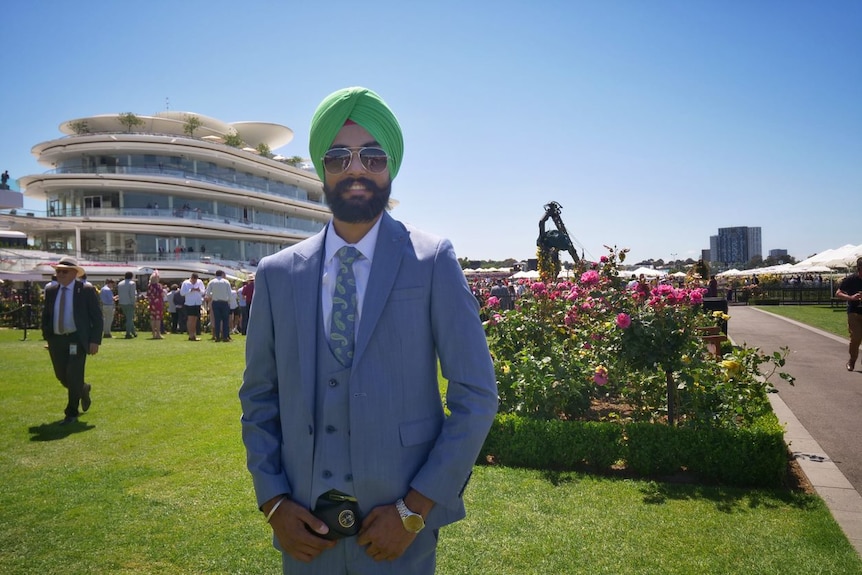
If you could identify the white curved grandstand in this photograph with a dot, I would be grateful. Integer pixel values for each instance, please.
(173, 186)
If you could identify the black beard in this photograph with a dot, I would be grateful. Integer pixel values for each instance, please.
(356, 210)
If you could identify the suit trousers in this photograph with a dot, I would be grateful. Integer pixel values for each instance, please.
(129, 313)
(854, 325)
(108, 321)
(221, 319)
(68, 368)
(348, 558)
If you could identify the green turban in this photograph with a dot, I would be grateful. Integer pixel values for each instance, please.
(367, 109)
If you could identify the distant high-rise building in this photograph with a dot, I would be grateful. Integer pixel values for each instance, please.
(706, 255)
(736, 246)
(713, 248)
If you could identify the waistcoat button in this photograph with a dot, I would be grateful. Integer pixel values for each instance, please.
(333, 382)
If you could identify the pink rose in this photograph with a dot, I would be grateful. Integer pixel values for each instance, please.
(590, 277)
(600, 377)
(624, 320)
(493, 301)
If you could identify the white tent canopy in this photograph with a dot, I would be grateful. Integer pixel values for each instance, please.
(525, 275)
(647, 272)
(842, 257)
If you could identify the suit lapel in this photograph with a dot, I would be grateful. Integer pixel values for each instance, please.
(391, 241)
(305, 279)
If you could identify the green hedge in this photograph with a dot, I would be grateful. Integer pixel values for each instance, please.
(521, 442)
(754, 456)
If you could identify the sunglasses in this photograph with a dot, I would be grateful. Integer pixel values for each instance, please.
(337, 160)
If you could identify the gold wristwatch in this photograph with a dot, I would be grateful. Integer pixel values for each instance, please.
(413, 522)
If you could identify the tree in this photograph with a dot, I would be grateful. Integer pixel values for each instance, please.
(79, 127)
(294, 160)
(756, 261)
(191, 124)
(130, 120)
(778, 260)
(233, 139)
(264, 150)
(701, 268)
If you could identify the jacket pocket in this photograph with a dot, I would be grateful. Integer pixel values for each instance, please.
(406, 293)
(419, 432)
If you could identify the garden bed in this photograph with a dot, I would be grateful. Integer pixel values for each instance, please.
(754, 456)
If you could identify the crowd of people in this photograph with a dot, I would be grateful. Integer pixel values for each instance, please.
(191, 307)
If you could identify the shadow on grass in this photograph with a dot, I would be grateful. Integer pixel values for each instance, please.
(558, 478)
(684, 486)
(726, 499)
(54, 431)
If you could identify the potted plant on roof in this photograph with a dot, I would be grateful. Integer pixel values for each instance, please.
(130, 120)
(191, 124)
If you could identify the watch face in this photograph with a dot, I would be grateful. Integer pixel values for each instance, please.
(414, 523)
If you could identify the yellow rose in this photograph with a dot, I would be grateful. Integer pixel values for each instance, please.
(731, 365)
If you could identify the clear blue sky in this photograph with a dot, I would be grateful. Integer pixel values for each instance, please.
(652, 122)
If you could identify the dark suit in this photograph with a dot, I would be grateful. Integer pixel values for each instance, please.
(87, 314)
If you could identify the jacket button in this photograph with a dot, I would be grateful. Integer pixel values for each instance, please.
(333, 382)
(327, 474)
(330, 429)
(348, 477)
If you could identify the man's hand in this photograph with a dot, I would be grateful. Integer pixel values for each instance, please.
(384, 534)
(94, 348)
(289, 525)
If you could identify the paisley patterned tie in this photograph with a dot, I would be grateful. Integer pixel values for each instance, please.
(342, 325)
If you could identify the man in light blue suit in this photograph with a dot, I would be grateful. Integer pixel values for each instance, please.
(341, 406)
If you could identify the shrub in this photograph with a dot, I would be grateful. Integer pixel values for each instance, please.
(754, 456)
(568, 343)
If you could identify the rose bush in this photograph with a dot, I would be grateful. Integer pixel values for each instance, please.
(567, 344)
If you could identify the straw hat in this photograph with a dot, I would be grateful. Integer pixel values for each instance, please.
(69, 263)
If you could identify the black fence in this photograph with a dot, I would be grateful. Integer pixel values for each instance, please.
(783, 295)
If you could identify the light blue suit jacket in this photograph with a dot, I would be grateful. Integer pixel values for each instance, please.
(417, 308)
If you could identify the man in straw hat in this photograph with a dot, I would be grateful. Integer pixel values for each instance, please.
(354, 462)
(72, 326)
(850, 290)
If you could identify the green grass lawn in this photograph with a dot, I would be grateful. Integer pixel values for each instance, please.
(153, 480)
(830, 319)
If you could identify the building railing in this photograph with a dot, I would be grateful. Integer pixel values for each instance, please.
(11, 185)
(240, 181)
(295, 225)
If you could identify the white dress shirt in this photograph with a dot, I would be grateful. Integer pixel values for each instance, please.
(196, 297)
(361, 270)
(68, 316)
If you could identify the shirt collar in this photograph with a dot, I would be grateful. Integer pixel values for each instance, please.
(365, 246)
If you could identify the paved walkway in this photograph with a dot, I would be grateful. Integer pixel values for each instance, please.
(822, 412)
